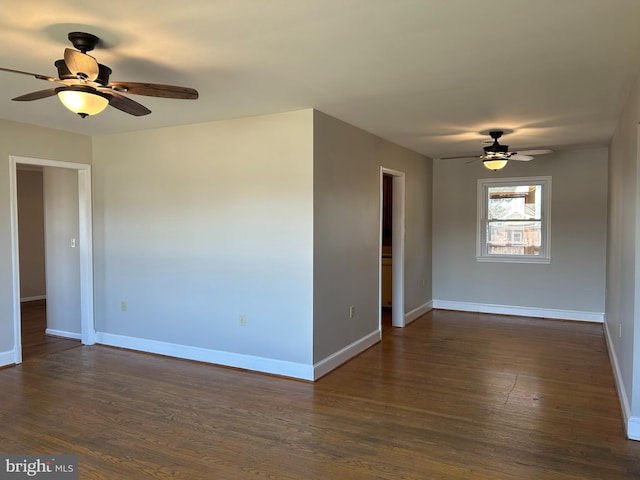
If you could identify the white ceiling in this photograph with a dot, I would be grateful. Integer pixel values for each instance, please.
(426, 74)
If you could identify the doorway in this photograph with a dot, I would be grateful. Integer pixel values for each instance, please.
(392, 228)
(84, 245)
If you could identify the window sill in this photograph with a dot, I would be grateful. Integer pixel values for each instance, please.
(513, 259)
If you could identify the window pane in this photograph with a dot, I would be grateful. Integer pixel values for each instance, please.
(518, 202)
(514, 237)
(514, 220)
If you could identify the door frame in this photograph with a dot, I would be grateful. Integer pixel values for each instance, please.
(85, 244)
(397, 248)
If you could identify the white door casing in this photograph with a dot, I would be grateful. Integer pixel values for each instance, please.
(85, 245)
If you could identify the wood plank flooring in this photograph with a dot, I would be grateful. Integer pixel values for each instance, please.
(35, 342)
(452, 396)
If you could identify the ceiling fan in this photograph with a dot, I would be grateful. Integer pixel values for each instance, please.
(496, 156)
(85, 88)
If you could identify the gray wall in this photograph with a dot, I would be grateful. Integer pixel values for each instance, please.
(62, 259)
(346, 231)
(196, 225)
(623, 260)
(31, 234)
(28, 141)
(573, 281)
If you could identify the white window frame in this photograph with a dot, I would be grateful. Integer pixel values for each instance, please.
(484, 184)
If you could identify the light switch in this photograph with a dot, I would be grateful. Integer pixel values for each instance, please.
(73, 243)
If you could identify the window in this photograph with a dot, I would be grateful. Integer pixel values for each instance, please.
(514, 220)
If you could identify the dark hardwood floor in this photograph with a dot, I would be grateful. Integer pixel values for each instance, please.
(33, 318)
(385, 317)
(452, 396)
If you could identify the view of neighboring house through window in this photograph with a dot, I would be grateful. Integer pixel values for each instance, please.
(513, 220)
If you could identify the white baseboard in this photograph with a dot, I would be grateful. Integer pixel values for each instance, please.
(633, 428)
(632, 424)
(248, 362)
(577, 315)
(61, 333)
(7, 358)
(33, 299)
(345, 354)
(417, 312)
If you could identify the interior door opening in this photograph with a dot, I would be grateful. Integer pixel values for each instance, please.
(392, 198)
(386, 259)
(81, 243)
(48, 259)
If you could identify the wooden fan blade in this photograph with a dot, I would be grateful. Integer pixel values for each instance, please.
(520, 157)
(36, 75)
(49, 92)
(475, 157)
(535, 152)
(155, 90)
(125, 104)
(83, 66)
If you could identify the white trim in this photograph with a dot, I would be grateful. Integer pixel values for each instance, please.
(582, 316)
(15, 261)
(483, 185)
(632, 424)
(237, 360)
(85, 250)
(63, 334)
(345, 354)
(380, 235)
(633, 428)
(515, 259)
(7, 358)
(49, 163)
(33, 299)
(418, 312)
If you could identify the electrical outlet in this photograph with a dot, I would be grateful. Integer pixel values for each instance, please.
(123, 306)
(352, 311)
(242, 320)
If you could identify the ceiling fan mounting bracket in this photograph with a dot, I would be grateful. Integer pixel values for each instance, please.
(85, 42)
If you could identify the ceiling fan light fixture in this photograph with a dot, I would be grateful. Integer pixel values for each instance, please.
(495, 164)
(82, 100)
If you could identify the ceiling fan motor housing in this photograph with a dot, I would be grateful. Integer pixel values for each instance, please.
(496, 148)
(65, 74)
